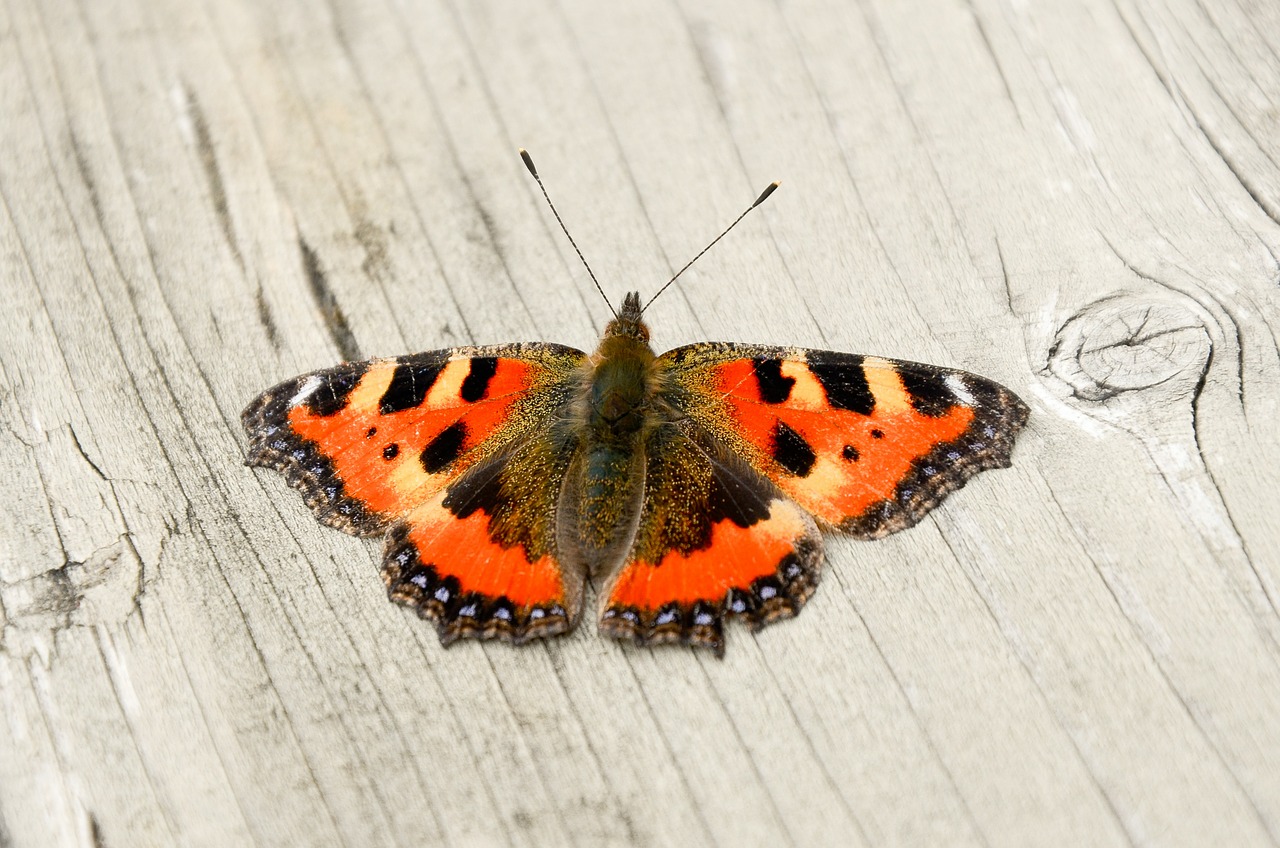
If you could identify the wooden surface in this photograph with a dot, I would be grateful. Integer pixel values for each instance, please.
(198, 199)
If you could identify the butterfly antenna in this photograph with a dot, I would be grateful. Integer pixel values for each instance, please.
(764, 195)
(528, 163)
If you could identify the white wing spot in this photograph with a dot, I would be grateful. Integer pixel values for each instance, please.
(960, 389)
(309, 387)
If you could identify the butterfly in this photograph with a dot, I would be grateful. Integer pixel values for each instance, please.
(693, 486)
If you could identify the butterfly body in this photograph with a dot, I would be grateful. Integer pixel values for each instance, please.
(689, 486)
(609, 422)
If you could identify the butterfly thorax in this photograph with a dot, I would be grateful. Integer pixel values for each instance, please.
(617, 404)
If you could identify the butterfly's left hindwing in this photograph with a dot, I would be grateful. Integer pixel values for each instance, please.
(480, 558)
(864, 444)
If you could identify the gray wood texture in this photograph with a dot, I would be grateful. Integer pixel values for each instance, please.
(1081, 200)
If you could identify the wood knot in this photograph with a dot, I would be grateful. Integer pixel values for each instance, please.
(1130, 344)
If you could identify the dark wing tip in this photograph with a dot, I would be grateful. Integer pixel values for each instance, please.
(987, 444)
(274, 445)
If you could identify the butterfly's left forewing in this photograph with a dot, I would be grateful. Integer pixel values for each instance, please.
(367, 442)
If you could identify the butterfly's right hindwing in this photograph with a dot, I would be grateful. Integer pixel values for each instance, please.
(714, 538)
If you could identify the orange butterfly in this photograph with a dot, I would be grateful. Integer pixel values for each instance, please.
(694, 483)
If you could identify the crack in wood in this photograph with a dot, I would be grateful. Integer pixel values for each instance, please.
(208, 156)
(330, 311)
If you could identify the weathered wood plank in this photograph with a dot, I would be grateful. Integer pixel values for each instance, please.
(1082, 201)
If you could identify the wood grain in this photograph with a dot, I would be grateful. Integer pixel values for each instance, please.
(199, 199)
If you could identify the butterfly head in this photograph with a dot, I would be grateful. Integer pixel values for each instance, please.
(628, 322)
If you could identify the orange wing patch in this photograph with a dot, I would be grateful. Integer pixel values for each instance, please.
(454, 572)
(734, 557)
(863, 443)
(408, 426)
(837, 462)
(488, 568)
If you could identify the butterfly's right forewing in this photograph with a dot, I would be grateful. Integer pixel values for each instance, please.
(865, 444)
